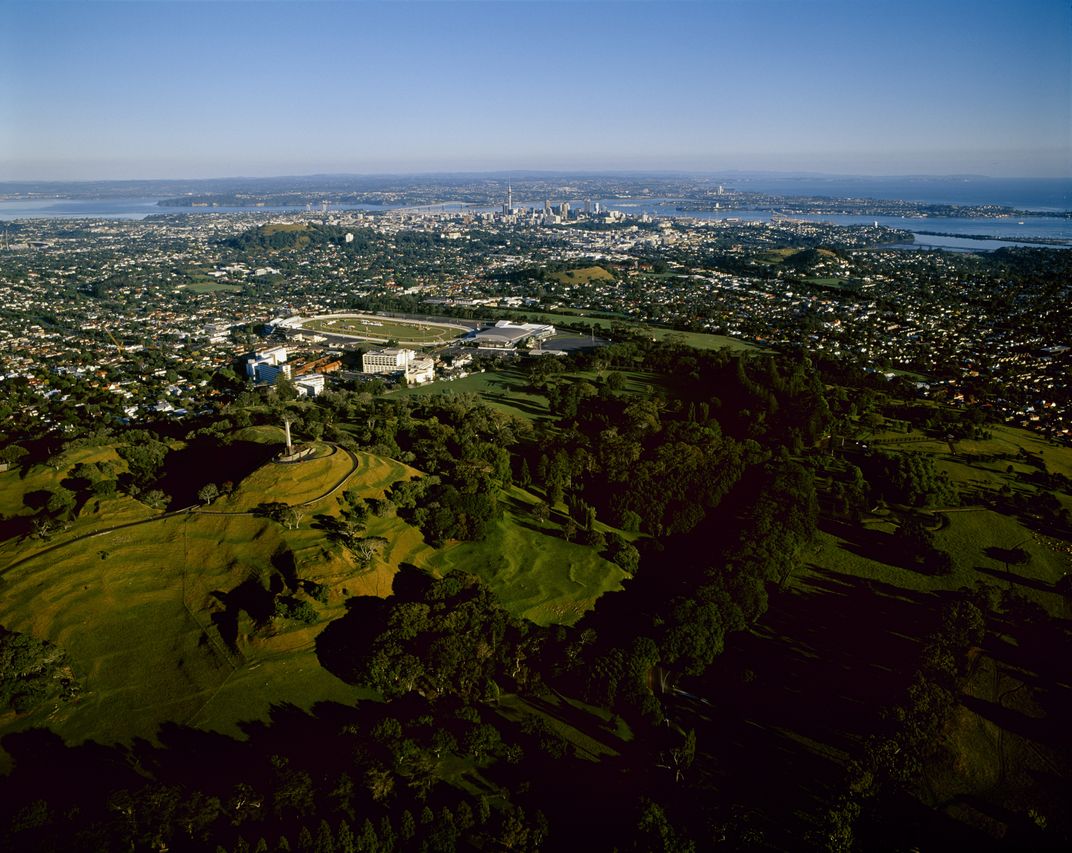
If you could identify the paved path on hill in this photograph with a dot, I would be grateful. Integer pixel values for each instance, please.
(177, 512)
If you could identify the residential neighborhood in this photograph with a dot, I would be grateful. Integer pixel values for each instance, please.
(175, 313)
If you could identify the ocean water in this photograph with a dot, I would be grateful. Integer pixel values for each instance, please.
(1044, 194)
(132, 208)
(72, 208)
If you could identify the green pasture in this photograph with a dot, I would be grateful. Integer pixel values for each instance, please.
(966, 535)
(533, 571)
(288, 227)
(640, 382)
(990, 763)
(1004, 440)
(263, 434)
(702, 340)
(505, 390)
(15, 484)
(92, 515)
(967, 532)
(830, 282)
(777, 256)
(133, 618)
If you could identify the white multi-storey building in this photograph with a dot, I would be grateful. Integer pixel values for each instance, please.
(268, 365)
(386, 360)
(420, 370)
(310, 384)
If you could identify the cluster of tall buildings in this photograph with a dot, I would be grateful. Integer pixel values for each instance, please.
(553, 214)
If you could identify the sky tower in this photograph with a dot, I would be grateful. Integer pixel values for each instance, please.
(508, 207)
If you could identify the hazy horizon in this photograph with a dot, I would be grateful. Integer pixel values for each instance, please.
(537, 173)
(188, 91)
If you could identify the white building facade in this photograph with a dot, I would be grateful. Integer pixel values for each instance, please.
(387, 360)
(268, 365)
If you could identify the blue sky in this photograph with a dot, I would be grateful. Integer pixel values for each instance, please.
(197, 89)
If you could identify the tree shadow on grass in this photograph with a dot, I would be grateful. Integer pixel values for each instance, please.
(833, 653)
(514, 402)
(897, 821)
(87, 785)
(1010, 719)
(1013, 577)
(15, 527)
(580, 796)
(584, 722)
(805, 687)
(250, 596)
(208, 460)
(533, 527)
(875, 545)
(284, 562)
(346, 640)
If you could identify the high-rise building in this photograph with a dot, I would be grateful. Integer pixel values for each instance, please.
(268, 365)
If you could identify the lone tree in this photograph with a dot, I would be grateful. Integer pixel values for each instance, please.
(208, 493)
(1015, 556)
(12, 455)
(292, 517)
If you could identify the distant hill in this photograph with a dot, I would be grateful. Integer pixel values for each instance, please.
(581, 275)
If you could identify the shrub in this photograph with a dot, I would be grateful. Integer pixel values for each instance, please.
(299, 611)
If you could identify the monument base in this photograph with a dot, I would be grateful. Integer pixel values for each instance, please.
(296, 454)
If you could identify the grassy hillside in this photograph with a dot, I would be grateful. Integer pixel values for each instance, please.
(141, 612)
(582, 275)
(850, 629)
(970, 532)
(534, 572)
(168, 620)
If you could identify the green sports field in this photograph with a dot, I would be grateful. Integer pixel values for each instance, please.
(373, 328)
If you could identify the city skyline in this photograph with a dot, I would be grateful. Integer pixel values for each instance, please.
(187, 90)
